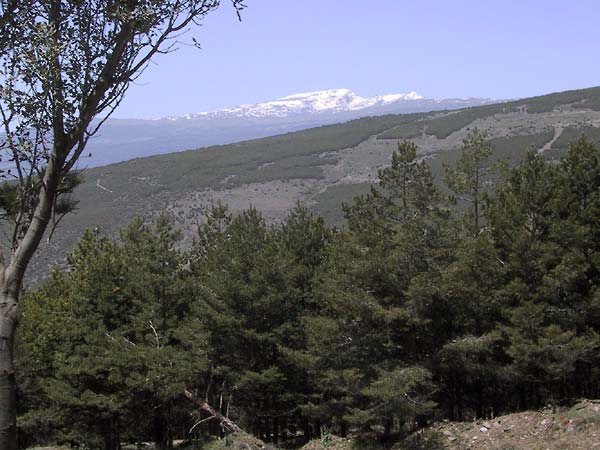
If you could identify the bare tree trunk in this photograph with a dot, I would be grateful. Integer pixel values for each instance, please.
(8, 386)
(11, 278)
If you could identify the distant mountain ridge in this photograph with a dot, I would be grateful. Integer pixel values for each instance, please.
(124, 139)
(328, 101)
(319, 167)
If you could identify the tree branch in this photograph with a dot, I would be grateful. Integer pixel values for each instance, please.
(225, 422)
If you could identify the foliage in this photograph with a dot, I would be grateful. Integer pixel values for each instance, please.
(571, 134)
(444, 126)
(127, 333)
(404, 131)
(469, 179)
(147, 185)
(63, 63)
(296, 330)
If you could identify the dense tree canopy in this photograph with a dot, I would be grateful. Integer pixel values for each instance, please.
(412, 313)
(65, 65)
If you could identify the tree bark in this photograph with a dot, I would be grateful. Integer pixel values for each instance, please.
(11, 280)
(8, 387)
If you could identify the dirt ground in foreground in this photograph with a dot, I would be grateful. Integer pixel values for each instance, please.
(576, 428)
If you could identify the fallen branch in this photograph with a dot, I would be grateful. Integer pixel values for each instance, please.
(204, 406)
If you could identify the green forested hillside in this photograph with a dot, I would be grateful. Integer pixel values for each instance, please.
(419, 311)
(319, 167)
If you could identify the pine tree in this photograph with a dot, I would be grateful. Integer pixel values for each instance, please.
(256, 284)
(470, 177)
(369, 335)
(535, 219)
(131, 340)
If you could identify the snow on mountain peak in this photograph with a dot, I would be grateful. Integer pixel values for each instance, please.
(332, 100)
(315, 94)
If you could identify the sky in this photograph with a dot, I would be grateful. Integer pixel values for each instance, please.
(438, 48)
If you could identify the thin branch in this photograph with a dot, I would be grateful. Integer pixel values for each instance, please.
(225, 422)
(156, 337)
(209, 385)
(200, 422)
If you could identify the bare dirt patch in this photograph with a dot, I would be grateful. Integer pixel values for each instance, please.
(576, 428)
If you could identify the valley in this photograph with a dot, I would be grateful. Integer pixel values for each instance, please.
(121, 139)
(210, 242)
(319, 167)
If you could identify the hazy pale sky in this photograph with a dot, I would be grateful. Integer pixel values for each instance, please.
(438, 48)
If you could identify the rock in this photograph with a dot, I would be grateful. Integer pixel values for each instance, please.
(545, 422)
(484, 429)
(487, 425)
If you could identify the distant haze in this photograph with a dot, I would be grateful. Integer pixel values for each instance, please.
(124, 139)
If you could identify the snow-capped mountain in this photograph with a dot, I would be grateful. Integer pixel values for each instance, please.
(123, 139)
(319, 102)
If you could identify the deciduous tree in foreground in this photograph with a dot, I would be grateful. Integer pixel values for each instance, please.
(63, 63)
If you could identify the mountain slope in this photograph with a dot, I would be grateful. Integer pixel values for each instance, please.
(123, 139)
(320, 167)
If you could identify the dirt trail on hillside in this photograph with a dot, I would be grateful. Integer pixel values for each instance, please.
(558, 130)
